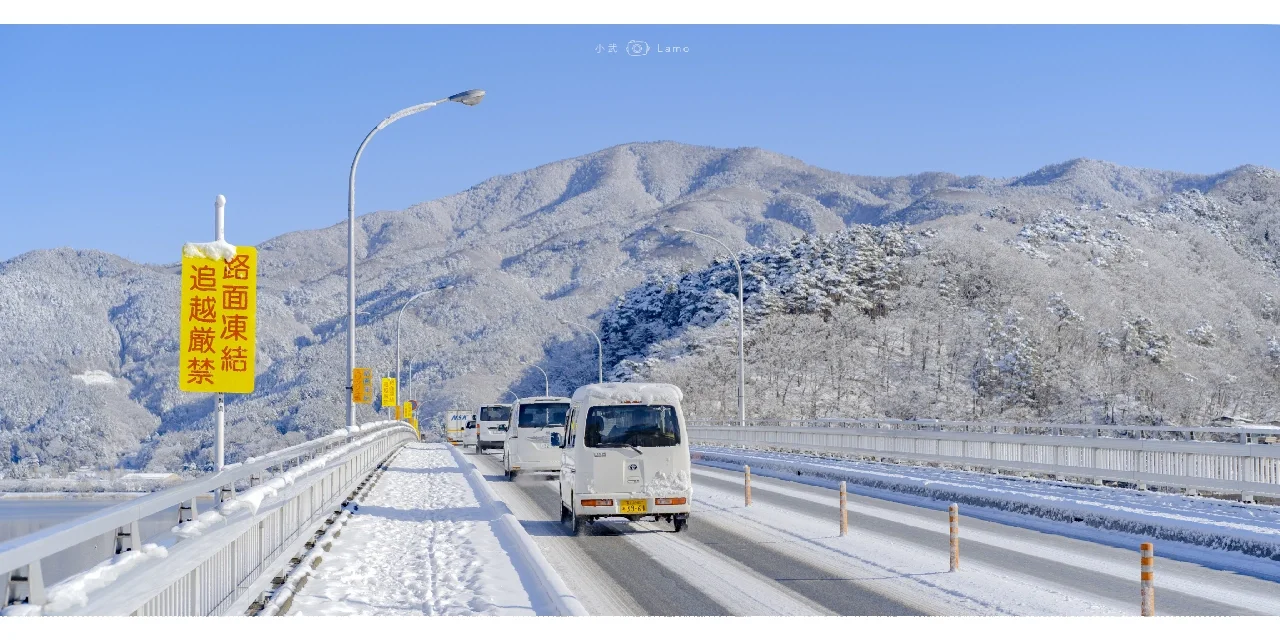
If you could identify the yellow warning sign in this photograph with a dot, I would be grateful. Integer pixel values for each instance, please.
(388, 392)
(361, 386)
(407, 412)
(218, 323)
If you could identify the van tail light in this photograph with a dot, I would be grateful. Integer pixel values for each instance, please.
(602, 502)
(668, 501)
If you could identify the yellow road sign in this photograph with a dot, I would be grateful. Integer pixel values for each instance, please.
(407, 412)
(361, 386)
(388, 392)
(218, 322)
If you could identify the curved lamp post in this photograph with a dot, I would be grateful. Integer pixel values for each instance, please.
(468, 98)
(513, 395)
(599, 347)
(547, 389)
(401, 313)
(742, 367)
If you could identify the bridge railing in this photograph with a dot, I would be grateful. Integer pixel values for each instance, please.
(1218, 459)
(210, 562)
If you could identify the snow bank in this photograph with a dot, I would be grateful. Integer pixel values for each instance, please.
(94, 377)
(216, 250)
(304, 567)
(645, 392)
(1089, 512)
(553, 586)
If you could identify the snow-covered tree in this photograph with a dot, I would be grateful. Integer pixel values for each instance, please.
(1203, 335)
(1142, 339)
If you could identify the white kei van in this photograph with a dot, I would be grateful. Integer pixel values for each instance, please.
(528, 446)
(626, 455)
(492, 429)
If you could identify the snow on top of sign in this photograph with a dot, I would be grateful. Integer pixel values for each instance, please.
(646, 392)
(95, 377)
(216, 250)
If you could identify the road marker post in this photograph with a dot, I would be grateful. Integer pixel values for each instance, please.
(1148, 574)
(746, 484)
(844, 510)
(953, 516)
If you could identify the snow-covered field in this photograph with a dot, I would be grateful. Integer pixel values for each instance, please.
(419, 544)
(1218, 533)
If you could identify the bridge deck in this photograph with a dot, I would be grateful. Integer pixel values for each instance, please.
(419, 544)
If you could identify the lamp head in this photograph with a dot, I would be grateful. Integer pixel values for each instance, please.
(470, 97)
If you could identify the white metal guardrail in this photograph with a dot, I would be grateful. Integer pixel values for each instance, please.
(210, 562)
(1219, 459)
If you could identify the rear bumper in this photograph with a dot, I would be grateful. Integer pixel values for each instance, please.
(535, 467)
(616, 508)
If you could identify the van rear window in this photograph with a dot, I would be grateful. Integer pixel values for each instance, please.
(499, 413)
(632, 426)
(543, 414)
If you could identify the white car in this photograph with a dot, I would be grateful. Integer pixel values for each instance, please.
(529, 430)
(626, 455)
(492, 428)
(469, 435)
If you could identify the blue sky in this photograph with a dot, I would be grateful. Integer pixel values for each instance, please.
(118, 138)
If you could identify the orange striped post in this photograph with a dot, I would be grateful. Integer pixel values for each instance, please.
(953, 515)
(844, 511)
(1148, 574)
(746, 484)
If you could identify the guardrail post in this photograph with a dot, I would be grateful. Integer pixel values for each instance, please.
(953, 517)
(746, 484)
(844, 510)
(134, 535)
(32, 583)
(1148, 579)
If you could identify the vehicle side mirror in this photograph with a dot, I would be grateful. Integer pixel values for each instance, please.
(555, 441)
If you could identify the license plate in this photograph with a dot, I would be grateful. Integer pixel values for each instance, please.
(633, 506)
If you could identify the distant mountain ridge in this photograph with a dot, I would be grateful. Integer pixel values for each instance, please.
(564, 239)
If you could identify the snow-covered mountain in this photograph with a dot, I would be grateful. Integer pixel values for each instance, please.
(88, 352)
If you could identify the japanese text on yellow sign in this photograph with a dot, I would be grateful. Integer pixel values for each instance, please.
(388, 392)
(361, 386)
(407, 413)
(218, 326)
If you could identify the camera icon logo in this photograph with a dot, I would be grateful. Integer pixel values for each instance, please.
(637, 48)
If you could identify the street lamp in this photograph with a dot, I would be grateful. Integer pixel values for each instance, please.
(401, 313)
(599, 347)
(513, 395)
(547, 389)
(468, 98)
(742, 367)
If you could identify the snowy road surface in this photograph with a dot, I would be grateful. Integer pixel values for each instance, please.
(420, 544)
(781, 556)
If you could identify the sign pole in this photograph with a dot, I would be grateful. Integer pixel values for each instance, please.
(220, 414)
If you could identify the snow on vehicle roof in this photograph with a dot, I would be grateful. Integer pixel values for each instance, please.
(646, 392)
(543, 399)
